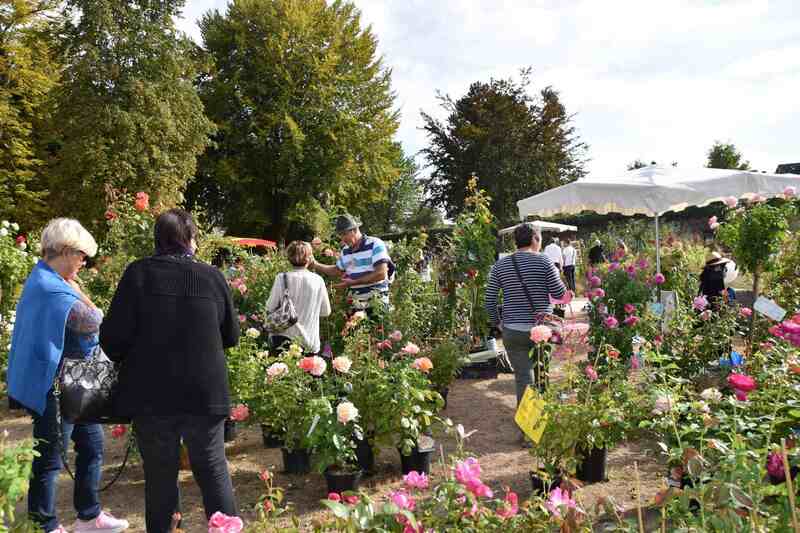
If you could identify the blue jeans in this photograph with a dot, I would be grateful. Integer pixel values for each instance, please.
(88, 439)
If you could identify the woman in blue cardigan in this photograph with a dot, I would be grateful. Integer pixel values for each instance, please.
(56, 320)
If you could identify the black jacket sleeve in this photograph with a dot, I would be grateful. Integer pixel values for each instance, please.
(229, 328)
(118, 330)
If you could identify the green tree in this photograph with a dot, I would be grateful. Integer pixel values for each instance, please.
(518, 145)
(128, 115)
(400, 204)
(304, 110)
(725, 155)
(28, 73)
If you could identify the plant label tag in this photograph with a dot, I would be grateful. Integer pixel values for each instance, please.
(768, 308)
(314, 423)
(530, 415)
(425, 443)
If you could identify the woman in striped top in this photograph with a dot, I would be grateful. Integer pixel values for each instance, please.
(520, 310)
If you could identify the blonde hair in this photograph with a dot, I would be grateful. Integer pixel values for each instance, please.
(299, 253)
(62, 233)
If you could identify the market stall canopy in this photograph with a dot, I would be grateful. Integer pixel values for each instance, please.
(544, 226)
(654, 190)
(254, 243)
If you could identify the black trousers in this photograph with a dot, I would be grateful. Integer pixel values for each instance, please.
(569, 273)
(159, 439)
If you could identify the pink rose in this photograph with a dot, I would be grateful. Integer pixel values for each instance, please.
(595, 281)
(396, 336)
(741, 382)
(334, 497)
(611, 322)
(745, 312)
(706, 315)
(775, 466)
(700, 302)
(423, 364)
(540, 334)
(240, 413)
(242, 319)
(731, 202)
(142, 201)
(415, 480)
(277, 370)
(629, 308)
(756, 199)
(712, 222)
(342, 364)
(511, 506)
(659, 279)
(313, 365)
(790, 191)
(466, 470)
(590, 372)
(410, 348)
(350, 500)
(221, 523)
(613, 266)
(402, 500)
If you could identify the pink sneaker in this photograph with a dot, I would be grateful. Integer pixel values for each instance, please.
(104, 523)
(59, 529)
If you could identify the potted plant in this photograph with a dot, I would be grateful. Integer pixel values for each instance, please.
(333, 442)
(446, 358)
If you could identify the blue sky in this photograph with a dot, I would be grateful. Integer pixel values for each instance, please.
(651, 79)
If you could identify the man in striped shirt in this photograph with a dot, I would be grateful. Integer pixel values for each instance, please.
(528, 279)
(364, 265)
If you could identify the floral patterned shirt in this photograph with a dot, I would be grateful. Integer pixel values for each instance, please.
(81, 333)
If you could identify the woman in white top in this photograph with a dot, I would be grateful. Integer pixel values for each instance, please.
(309, 296)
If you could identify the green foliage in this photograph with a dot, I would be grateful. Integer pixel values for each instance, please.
(16, 460)
(127, 114)
(447, 358)
(28, 73)
(304, 110)
(16, 262)
(518, 145)
(725, 155)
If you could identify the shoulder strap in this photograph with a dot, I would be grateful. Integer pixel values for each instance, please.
(524, 287)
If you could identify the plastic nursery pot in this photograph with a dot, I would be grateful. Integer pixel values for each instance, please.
(485, 370)
(230, 430)
(540, 486)
(592, 469)
(296, 461)
(270, 440)
(418, 461)
(365, 456)
(342, 480)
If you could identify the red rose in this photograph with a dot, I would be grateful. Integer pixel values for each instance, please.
(110, 215)
(21, 239)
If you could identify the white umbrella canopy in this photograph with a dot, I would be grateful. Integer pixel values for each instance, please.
(653, 191)
(544, 226)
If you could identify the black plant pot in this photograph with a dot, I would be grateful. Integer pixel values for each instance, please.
(443, 393)
(270, 439)
(540, 486)
(365, 455)
(418, 461)
(486, 370)
(296, 461)
(592, 469)
(342, 480)
(230, 430)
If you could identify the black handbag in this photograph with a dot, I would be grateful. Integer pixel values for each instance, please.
(86, 390)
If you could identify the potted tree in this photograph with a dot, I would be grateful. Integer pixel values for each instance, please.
(446, 358)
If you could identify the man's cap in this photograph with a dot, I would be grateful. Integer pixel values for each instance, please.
(346, 223)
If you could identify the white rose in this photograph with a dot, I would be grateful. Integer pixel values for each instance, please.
(15, 226)
(342, 364)
(253, 333)
(5, 224)
(23, 246)
(276, 370)
(711, 394)
(663, 405)
(3, 232)
(346, 412)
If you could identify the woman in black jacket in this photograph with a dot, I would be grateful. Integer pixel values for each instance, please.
(169, 323)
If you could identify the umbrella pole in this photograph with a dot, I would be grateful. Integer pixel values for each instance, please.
(658, 249)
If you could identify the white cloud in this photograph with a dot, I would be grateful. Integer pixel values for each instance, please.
(652, 80)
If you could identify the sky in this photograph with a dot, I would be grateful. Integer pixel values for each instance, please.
(657, 80)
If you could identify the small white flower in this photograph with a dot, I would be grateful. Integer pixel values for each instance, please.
(263, 354)
(15, 226)
(711, 394)
(3, 232)
(5, 224)
(23, 246)
(253, 333)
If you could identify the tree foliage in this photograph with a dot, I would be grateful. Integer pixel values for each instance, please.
(28, 72)
(304, 109)
(725, 155)
(518, 145)
(127, 113)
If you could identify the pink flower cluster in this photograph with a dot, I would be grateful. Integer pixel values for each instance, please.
(700, 302)
(336, 497)
(558, 501)
(741, 385)
(240, 413)
(510, 506)
(239, 284)
(222, 523)
(395, 336)
(468, 472)
(415, 480)
(788, 330)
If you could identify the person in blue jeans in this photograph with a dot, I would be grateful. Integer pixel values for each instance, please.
(56, 320)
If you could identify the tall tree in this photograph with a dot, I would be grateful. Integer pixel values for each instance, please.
(304, 109)
(28, 72)
(127, 113)
(515, 143)
(725, 155)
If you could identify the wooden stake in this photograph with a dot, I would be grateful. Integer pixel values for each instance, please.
(638, 497)
(789, 485)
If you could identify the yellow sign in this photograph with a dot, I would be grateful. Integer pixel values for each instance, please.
(530, 416)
